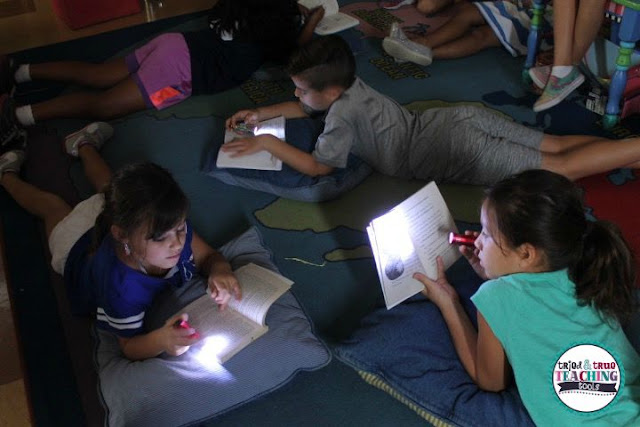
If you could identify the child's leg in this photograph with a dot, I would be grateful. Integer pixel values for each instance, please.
(588, 22)
(564, 20)
(474, 41)
(95, 168)
(465, 17)
(86, 144)
(87, 74)
(597, 156)
(122, 99)
(47, 206)
(558, 143)
(429, 7)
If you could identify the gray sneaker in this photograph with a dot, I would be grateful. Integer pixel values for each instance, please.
(11, 161)
(402, 49)
(95, 133)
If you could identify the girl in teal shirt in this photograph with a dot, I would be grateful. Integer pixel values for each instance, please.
(559, 287)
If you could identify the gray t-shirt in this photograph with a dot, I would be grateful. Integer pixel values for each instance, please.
(369, 125)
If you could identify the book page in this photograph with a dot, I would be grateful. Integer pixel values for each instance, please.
(333, 20)
(396, 261)
(430, 222)
(408, 239)
(335, 23)
(260, 288)
(227, 331)
(330, 6)
(262, 160)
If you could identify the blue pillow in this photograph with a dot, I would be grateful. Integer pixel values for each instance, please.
(407, 351)
(302, 133)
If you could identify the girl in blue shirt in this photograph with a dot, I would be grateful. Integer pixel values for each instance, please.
(122, 246)
(555, 280)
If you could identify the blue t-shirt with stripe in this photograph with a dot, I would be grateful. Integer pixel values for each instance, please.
(118, 295)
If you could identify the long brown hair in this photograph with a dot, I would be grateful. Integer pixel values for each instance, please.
(546, 210)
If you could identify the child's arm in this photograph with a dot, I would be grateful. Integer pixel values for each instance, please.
(166, 339)
(221, 280)
(290, 110)
(480, 352)
(312, 17)
(297, 159)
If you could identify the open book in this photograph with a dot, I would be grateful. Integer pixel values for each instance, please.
(408, 239)
(333, 20)
(261, 160)
(228, 331)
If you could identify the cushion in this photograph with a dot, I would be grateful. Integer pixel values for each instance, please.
(172, 391)
(407, 351)
(289, 183)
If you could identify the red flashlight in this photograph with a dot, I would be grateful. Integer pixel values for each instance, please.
(461, 239)
(182, 324)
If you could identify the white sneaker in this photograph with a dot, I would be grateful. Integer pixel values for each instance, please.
(395, 32)
(403, 49)
(95, 133)
(11, 161)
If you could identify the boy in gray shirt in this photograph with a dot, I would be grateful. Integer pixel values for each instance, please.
(457, 144)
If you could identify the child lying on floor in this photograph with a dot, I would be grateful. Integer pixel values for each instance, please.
(121, 247)
(458, 144)
(470, 28)
(169, 68)
(554, 280)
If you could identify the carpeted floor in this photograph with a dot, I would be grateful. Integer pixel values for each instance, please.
(322, 247)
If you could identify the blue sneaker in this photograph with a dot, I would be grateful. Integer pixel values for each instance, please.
(557, 89)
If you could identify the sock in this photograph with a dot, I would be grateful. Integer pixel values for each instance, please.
(25, 115)
(22, 74)
(561, 71)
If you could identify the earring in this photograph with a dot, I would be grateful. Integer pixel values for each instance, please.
(127, 249)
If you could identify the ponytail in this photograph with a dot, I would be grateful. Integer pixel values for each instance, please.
(605, 273)
(546, 210)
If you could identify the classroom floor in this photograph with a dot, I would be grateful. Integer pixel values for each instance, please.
(25, 24)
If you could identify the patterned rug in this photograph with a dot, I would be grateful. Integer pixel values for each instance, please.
(321, 246)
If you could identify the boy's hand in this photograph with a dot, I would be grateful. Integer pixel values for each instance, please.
(250, 117)
(439, 291)
(244, 146)
(471, 254)
(222, 285)
(177, 340)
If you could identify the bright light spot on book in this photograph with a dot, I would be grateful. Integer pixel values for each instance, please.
(265, 130)
(207, 353)
(394, 232)
(273, 127)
